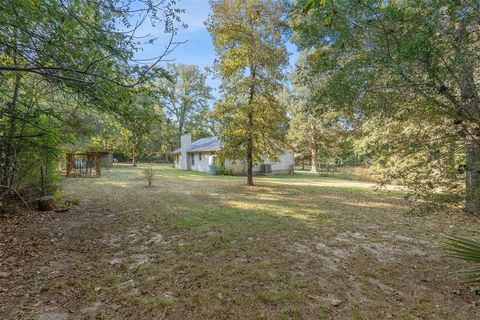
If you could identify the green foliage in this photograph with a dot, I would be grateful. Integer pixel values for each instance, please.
(222, 171)
(426, 159)
(310, 4)
(65, 199)
(404, 72)
(74, 201)
(149, 174)
(83, 45)
(29, 139)
(186, 98)
(66, 67)
(317, 131)
(251, 58)
(467, 250)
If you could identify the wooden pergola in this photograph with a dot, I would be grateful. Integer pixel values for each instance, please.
(85, 164)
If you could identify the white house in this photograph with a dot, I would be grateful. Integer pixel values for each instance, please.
(201, 154)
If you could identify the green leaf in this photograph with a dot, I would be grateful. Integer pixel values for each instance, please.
(328, 21)
(312, 3)
(468, 250)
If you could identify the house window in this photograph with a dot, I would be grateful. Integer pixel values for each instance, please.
(199, 157)
(193, 159)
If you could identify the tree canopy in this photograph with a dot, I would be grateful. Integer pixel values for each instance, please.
(386, 59)
(186, 99)
(251, 51)
(63, 63)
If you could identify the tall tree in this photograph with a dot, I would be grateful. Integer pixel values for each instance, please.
(425, 51)
(140, 122)
(186, 98)
(426, 158)
(314, 130)
(251, 58)
(314, 136)
(60, 61)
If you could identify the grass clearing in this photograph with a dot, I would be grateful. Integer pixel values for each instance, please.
(194, 246)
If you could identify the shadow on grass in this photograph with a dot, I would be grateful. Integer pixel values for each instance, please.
(196, 201)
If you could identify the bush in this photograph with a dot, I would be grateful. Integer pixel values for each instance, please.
(222, 171)
(148, 175)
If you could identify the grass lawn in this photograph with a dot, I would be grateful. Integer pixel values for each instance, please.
(200, 247)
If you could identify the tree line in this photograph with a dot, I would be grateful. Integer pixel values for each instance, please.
(406, 75)
(389, 84)
(392, 82)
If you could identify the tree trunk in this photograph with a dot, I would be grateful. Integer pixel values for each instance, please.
(313, 153)
(470, 103)
(469, 111)
(250, 146)
(313, 148)
(180, 130)
(250, 131)
(134, 158)
(8, 148)
(472, 176)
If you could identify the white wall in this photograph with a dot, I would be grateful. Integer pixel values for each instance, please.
(237, 167)
(200, 165)
(285, 162)
(282, 165)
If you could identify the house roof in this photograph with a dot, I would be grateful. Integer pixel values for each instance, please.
(205, 144)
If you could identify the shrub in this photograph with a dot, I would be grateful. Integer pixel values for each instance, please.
(222, 171)
(148, 175)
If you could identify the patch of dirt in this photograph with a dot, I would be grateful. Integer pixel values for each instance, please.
(56, 315)
(135, 253)
(155, 239)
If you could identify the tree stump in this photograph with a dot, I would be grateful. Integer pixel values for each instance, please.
(46, 203)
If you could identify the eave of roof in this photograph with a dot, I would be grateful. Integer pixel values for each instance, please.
(203, 150)
(209, 144)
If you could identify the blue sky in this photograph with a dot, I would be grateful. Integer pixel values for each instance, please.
(198, 48)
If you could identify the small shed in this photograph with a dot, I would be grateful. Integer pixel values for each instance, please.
(87, 164)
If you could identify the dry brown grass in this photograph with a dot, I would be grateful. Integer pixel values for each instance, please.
(200, 247)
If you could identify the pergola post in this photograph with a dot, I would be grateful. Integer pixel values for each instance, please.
(97, 164)
(69, 164)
